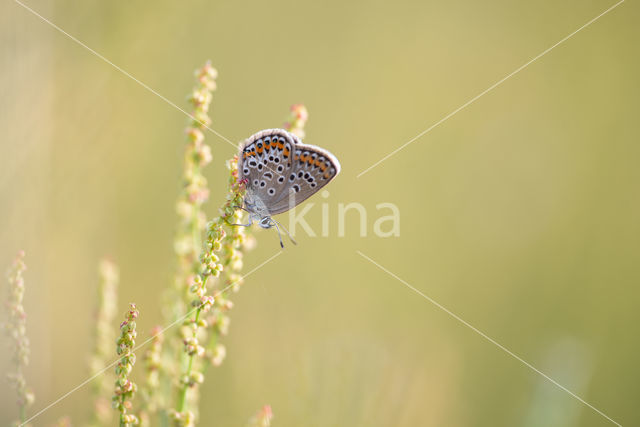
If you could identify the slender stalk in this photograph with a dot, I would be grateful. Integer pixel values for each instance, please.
(182, 398)
(210, 266)
(125, 389)
(262, 418)
(16, 329)
(188, 240)
(122, 402)
(297, 119)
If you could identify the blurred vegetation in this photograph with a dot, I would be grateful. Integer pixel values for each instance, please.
(519, 214)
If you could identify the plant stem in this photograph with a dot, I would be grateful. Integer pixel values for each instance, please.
(122, 423)
(163, 419)
(182, 397)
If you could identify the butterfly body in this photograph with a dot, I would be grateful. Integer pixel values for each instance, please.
(281, 172)
(257, 210)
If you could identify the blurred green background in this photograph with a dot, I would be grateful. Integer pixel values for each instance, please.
(519, 214)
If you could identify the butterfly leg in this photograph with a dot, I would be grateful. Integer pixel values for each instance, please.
(240, 207)
(243, 225)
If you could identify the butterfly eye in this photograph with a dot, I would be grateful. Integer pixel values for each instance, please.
(265, 222)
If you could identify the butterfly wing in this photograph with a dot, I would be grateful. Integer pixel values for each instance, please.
(265, 160)
(312, 168)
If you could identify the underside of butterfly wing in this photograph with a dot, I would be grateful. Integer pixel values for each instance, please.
(312, 169)
(281, 171)
(264, 161)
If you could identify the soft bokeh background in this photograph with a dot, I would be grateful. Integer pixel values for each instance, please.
(519, 214)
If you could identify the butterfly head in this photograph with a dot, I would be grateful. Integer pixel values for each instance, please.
(266, 222)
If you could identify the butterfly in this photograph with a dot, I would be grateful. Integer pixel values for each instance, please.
(280, 172)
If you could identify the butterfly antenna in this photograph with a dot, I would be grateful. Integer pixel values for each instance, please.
(279, 235)
(287, 231)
